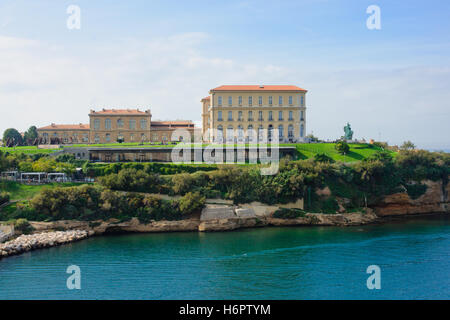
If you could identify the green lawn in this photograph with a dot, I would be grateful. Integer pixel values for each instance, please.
(28, 150)
(357, 151)
(20, 191)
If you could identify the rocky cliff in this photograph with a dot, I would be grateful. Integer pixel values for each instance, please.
(434, 200)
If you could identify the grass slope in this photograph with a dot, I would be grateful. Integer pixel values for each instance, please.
(20, 191)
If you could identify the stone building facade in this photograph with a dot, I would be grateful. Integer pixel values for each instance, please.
(250, 113)
(114, 125)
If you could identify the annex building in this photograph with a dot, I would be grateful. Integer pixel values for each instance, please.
(250, 113)
(114, 125)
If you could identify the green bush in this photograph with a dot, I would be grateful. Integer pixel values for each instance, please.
(191, 202)
(4, 197)
(416, 190)
(23, 225)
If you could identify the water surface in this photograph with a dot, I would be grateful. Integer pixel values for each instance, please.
(266, 263)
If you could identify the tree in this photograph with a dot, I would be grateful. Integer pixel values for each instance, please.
(12, 137)
(30, 135)
(408, 145)
(342, 147)
(313, 138)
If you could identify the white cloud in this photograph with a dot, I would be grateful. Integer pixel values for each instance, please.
(42, 83)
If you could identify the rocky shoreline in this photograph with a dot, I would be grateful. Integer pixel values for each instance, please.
(35, 241)
(222, 215)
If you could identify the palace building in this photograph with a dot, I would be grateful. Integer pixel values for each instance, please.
(243, 113)
(114, 125)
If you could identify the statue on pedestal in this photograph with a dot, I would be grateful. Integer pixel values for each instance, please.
(348, 132)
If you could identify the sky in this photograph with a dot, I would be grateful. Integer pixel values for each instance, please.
(390, 84)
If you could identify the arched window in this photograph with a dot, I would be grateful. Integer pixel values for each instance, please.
(230, 133)
(108, 124)
(260, 133)
(143, 124)
(250, 133)
(108, 137)
(97, 124)
(120, 123)
(302, 130)
(280, 131)
(220, 133)
(291, 131)
(240, 132)
(270, 132)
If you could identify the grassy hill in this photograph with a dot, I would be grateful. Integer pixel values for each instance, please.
(357, 151)
(306, 150)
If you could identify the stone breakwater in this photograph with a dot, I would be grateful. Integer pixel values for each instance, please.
(26, 243)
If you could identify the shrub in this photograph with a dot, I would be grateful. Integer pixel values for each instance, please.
(4, 197)
(322, 157)
(191, 202)
(131, 180)
(23, 225)
(416, 190)
(342, 147)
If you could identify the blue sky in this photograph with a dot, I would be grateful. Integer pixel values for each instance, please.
(392, 83)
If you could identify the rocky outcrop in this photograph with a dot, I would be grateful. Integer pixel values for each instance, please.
(435, 200)
(26, 243)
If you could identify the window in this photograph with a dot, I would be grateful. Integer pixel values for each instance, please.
(154, 137)
(97, 124)
(85, 137)
(240, 100)
(290, 100)
(240, 116)
(301, 101)
(260, 100)
(280, 100)
(230, 115)
(302, 116)
(230, 100)
(230, 133)
(220, 133)
(250, 101)
(219, 101)
(120, 123)
(280, 115)
(270, 116)
(291, 131)
(143, 124)
(250, 116)
(108, 137)
(290, 116)
(250, 132)
(96, 138)
(219, 116)
(131, 137)
(108, 124)
(260, 133)
(270, 100)
(240, 132)
(280, 131)
(302, 130)
(133, 124)
(270, 132)
(260, 116)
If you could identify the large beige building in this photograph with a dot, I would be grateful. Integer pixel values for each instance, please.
(243, 113)
(113, 125)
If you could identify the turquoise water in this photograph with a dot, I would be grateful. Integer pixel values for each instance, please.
(267, 263)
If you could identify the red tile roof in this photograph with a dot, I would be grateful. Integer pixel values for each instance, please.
(120, 111)
(206, 98)
(258, 88)
(66, 127)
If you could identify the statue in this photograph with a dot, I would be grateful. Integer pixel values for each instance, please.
(348, 132)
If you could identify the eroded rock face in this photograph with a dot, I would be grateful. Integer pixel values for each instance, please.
(434, 200)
